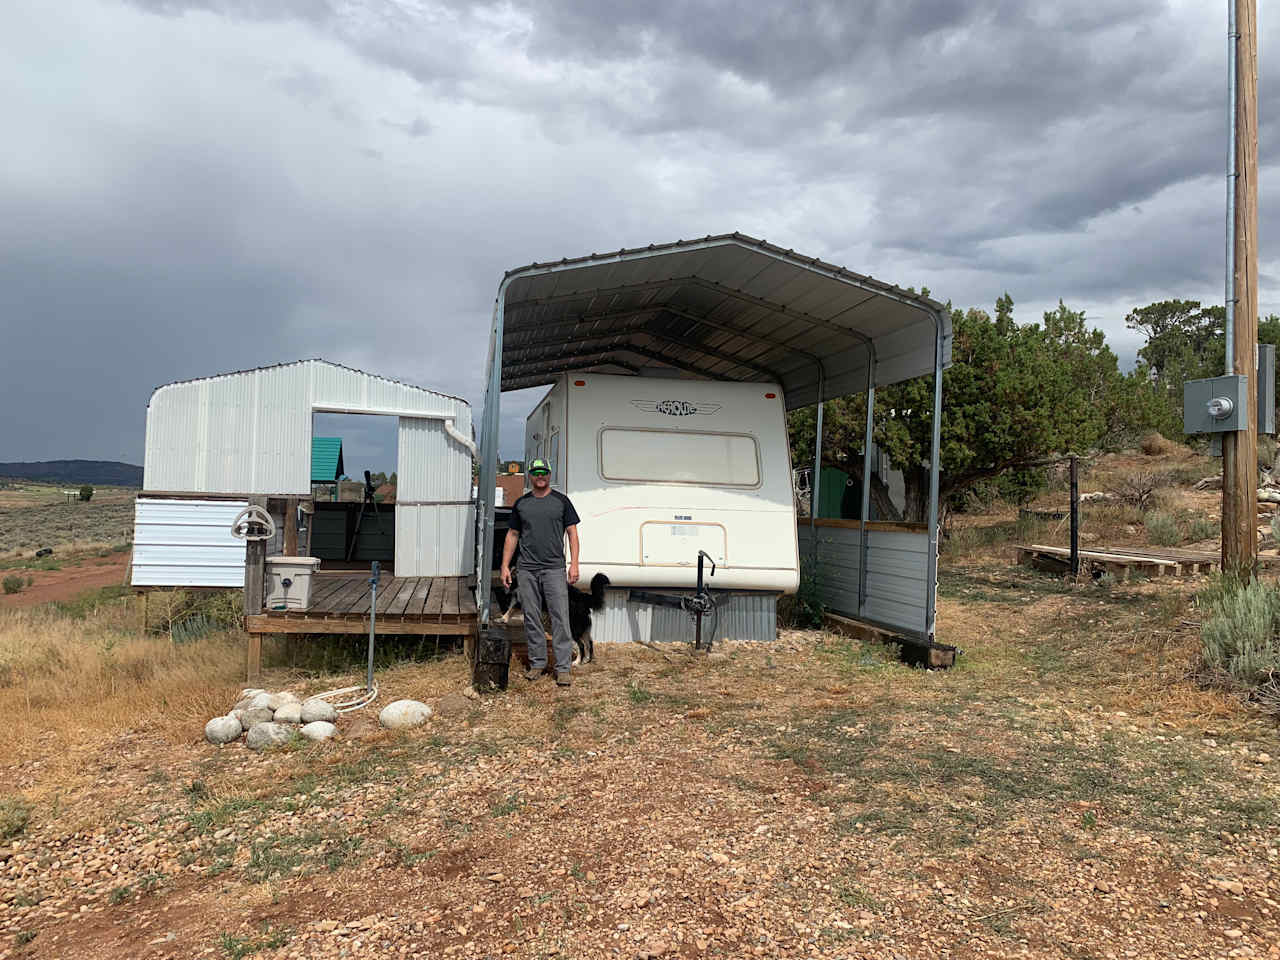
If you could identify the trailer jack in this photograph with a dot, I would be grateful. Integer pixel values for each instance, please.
(697, 606)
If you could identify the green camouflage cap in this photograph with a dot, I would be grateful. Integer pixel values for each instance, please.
(539, 466)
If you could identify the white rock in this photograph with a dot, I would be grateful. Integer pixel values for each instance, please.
(222, 729)
(288, 713)
(253, 715)
(404, 713)
(261, 700)
(319, 730)
(313, 710)
(264, 735)
(248, 693)
(244, 704)
(278, 700)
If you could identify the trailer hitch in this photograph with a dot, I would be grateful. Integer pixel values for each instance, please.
(697, 606)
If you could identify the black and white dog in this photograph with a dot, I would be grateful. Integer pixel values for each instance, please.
(581, 606)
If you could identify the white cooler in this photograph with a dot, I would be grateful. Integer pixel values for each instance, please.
(288, 585)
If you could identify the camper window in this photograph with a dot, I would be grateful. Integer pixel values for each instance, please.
(668, 456)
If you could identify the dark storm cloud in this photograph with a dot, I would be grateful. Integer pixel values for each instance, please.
(249, 181)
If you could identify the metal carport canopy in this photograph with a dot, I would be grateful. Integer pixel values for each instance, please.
(727, 307)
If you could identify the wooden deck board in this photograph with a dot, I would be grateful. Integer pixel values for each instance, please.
(297, 623)
(398, 606)
(322, 587)
(388, 593)
(435, 600)
(340, 600)
(415, 602)
(449, 607)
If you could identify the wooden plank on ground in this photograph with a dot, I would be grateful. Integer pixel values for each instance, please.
(419, 597)
(331, 625)
(921, 653)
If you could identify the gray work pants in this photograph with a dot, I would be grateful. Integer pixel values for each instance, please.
(549, 587)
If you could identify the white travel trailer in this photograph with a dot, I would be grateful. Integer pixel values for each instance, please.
(660, 469)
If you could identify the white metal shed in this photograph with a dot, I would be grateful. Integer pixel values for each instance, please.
(248, 433)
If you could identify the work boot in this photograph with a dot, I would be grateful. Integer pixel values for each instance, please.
(562, 679)
(532, 674)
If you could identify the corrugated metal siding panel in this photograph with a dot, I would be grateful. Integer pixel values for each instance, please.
(435, 541)
(897, 568)
(751, 618)
(839, 560)
(187, 543)
(431, 465)
(897, 574)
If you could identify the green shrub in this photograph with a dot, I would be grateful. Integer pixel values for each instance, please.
(86, 493)
(15, 814)
(1201, 528)
(1162, 529)
(14, 583)
(1239, 636)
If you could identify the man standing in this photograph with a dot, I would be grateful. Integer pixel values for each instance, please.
(539, 521)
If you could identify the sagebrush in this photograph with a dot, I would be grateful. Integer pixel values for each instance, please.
(1239, 638)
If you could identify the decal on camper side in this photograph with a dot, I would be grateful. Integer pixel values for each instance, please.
(677, 408)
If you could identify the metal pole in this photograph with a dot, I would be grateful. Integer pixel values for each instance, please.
(864, 539)
(814, 485)
(373, 617)
(1075, 517)
(931, 587)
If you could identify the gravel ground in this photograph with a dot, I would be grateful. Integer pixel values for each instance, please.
(1064, 793)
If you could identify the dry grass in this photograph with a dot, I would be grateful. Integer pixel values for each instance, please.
(70, 674)
(1157, 445)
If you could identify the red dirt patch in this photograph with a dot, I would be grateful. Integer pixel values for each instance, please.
(69, 582)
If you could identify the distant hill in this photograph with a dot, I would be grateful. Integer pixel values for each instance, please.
(110, 473)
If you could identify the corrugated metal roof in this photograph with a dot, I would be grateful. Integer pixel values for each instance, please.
(326, 459)
(727, 307)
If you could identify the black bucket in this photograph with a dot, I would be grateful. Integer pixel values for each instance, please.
(493, 660)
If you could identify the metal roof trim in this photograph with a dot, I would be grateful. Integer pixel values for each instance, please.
(816, 264)
(294, 363)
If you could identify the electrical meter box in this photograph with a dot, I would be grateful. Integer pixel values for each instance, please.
(1215, 405)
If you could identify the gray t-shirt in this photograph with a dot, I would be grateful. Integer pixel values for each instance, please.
(541, 522)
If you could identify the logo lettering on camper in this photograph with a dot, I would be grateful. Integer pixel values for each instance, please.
(676, 408)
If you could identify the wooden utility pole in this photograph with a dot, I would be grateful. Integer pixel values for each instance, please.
(1240, 448)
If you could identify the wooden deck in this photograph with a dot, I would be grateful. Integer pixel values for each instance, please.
(429, 606)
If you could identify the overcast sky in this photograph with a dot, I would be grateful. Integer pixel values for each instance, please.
(197, 186)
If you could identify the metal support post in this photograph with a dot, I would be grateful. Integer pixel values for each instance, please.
(1075, 517)
(373, 619)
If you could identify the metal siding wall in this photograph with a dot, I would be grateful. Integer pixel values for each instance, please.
(751, 618)
(250, 432)
(839, 560)
(434, 539)
(187, 543)
(897, 568)
(897, 574)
